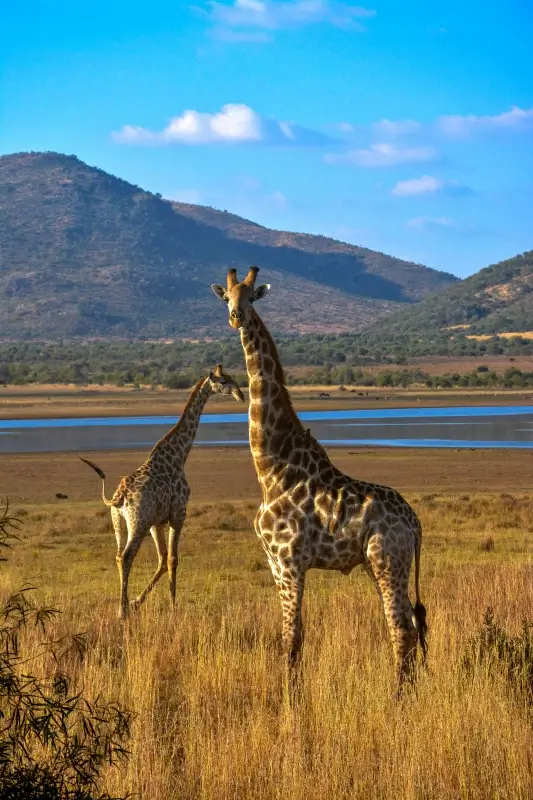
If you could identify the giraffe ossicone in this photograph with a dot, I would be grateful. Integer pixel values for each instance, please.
(312, 515)
(156, 493)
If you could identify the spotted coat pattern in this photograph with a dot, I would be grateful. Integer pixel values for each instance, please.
(156, 493)
(312, 515)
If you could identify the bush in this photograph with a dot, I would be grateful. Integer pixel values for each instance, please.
(510, 656)
(53, 742)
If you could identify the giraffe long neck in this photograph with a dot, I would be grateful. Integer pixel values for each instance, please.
(179, 439)
(273, 424)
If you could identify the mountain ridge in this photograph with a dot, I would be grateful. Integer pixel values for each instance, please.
(84, 253)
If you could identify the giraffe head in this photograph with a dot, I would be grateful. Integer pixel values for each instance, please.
(224, 384)
(240, 296)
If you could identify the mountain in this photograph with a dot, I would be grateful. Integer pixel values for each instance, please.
(497, 299)
(86, 254)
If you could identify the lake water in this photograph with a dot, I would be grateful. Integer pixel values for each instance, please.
(467, 426)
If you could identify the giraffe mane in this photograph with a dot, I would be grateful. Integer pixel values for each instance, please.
(176, 427)
(285, 396)
(280, 376)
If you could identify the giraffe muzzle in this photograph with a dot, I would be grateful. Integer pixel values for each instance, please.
(236, 319)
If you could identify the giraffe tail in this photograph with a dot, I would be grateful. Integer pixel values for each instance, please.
(420, 609)
(101, 475)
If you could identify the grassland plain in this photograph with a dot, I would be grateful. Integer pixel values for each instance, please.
(206, 681)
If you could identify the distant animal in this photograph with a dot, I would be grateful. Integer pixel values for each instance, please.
(312, 515)
(157, 493)
(61, 496)
(323, 394)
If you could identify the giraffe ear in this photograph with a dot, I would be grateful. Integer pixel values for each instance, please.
(260, 292)
(219, 291)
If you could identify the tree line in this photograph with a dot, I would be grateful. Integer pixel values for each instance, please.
(314, 358)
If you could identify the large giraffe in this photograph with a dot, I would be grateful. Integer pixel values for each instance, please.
(312, 515)
(157, 493)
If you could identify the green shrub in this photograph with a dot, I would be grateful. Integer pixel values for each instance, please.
(53, 742)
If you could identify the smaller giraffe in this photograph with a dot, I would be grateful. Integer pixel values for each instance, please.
(157, 492)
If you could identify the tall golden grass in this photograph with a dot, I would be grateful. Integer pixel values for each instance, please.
(206, 681)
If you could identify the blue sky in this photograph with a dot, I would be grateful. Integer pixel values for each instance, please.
(403, 127)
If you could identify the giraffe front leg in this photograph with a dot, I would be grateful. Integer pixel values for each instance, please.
(176, 525)
(158, 535)
(290, 583)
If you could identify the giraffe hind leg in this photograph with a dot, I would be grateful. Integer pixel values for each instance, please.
(119, 528)
(390, 573)
(136, 534)
(158, 535)
(121, 536)
(176, 524)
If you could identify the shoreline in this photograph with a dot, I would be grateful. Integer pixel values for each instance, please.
(55, 402)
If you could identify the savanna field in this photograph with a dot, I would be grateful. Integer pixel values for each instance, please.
(173, 181)
(206, 682)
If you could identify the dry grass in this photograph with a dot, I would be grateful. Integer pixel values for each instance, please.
(206, 681)
(508, 335)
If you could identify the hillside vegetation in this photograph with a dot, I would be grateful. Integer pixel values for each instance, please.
(83, 254)
(498, 299)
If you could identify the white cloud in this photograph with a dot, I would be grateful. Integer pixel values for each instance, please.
(272, 15)
(234, 123)
(458, 127)
(382, 155)
(419, 145)
(387, 127)
(427, 184)
(451, 125)
(427, 223)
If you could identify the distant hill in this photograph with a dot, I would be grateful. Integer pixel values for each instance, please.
(498, 299)
(85, 254)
